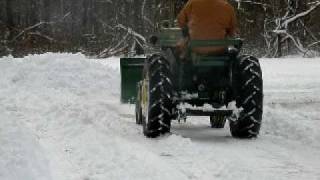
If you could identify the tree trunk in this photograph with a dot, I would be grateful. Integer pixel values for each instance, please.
(10, 23)
(279, 46)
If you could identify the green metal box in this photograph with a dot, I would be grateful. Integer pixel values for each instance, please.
(131, 73)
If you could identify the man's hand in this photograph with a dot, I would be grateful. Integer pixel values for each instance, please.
(182, 48)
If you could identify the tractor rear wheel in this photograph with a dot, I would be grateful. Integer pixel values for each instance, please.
(157, 95)
(249, 98)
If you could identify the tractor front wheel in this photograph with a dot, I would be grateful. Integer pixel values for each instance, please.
(138, 109)
(217, 121)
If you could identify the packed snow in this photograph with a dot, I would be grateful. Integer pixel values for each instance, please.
(61, 119)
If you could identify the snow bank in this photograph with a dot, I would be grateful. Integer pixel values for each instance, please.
(292, 99)
(21, 156)
(45, 94)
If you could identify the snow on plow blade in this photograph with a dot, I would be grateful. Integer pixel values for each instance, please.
(131, 73)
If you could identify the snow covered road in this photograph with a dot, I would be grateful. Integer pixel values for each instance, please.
(61, 119)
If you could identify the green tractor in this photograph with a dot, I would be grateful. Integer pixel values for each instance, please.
(223, 87)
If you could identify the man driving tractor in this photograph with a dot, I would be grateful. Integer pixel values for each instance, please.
(170, 86)
(207, 20)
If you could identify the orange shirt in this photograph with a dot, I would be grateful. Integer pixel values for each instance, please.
(208, 19)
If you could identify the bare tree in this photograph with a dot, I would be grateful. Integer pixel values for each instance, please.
(284, 24)
(107, 27)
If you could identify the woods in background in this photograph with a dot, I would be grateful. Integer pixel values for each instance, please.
(103, 28)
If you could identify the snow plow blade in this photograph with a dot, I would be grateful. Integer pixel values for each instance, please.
(131, 73)
(193, 112)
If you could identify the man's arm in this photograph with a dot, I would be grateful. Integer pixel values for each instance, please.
(233, 29)
(184, 14)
